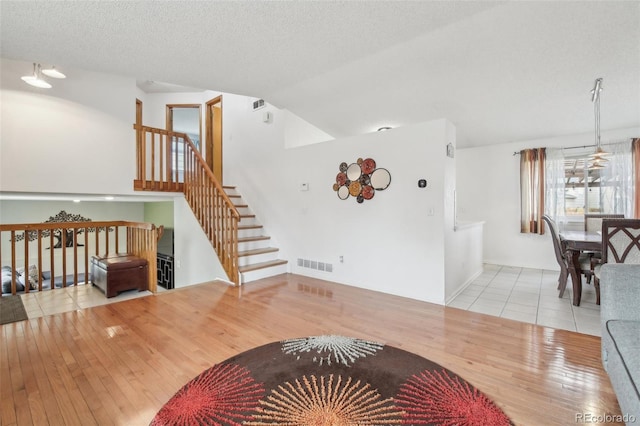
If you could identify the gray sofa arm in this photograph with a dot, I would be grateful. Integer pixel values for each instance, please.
(620, 292)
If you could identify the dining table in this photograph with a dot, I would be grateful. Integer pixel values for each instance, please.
(574, 243)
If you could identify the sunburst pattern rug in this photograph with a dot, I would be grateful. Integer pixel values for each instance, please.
(328, 380)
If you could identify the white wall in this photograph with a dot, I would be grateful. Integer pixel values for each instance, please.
(389, 243)
(463, 245)
(31, 211)
(195, 260)
(489, 190)
(76, 137)
(464, 258)
(311, 225)
(298, 132)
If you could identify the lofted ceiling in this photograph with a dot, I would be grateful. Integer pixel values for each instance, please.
(500, 71)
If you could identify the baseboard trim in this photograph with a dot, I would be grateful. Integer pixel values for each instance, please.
(463, 287)
(223, 280)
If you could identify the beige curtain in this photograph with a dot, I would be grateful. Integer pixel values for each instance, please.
(532, 187)
(635, 152)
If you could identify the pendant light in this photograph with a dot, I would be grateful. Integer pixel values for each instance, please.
(598, 158)
(35, 79)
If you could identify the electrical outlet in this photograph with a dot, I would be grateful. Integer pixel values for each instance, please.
(341, 259)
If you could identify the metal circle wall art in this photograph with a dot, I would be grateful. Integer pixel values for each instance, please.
(380, 179)
(361, 180)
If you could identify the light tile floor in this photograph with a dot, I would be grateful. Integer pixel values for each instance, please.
(530, 295)
(42, 303)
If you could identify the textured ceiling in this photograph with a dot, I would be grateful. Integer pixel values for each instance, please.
(500, 71)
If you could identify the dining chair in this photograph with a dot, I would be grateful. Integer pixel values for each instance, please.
(561, 258)
(620, 244)
(593, 221)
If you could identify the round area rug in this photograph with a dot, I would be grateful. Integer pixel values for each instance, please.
(328, 380)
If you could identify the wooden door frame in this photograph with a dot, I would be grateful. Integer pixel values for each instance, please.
(138, 112)
(139, 141)
(213, 139)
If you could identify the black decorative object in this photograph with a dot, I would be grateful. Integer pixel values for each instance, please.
(164, 265)
(70, 234)
(361, 180)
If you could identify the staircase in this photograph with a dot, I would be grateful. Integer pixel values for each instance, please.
(256, 257)
(230, 226)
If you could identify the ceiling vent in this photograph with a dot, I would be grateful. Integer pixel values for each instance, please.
(257, 104)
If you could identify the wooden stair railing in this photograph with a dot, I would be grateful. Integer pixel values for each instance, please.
(65, 248)
(169, 161)
(159, 160)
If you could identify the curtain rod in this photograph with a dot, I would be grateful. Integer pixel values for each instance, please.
(576, 147)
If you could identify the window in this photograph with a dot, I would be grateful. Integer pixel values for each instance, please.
(573, 189)
(583, 188)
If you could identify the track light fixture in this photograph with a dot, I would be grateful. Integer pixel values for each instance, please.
(36, 79)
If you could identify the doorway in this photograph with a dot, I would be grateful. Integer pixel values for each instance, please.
(186, 118)
(213, 144)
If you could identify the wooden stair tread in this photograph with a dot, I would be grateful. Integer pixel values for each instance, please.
(241, 206)
(262, 265)
(228, 187)
(249, 239)
(245, 227)
(257, 251)
(234, 196)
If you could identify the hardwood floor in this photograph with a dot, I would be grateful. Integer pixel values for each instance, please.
(119, 363)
